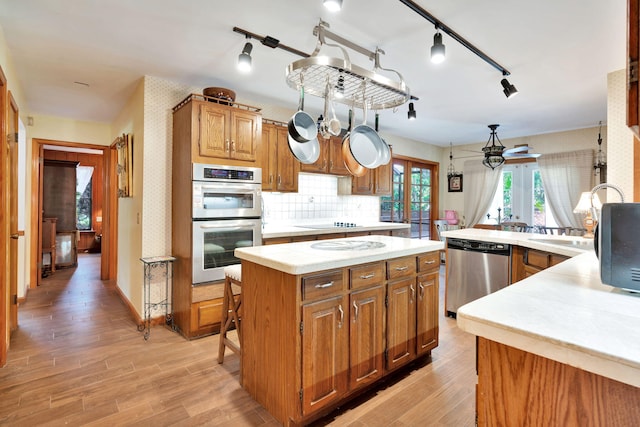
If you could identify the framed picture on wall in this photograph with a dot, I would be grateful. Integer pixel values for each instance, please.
(455, 183)
(124, 148)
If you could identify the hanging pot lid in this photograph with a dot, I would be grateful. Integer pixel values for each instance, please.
(306, 152)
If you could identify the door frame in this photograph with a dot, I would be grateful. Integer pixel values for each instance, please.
(4, 222)
(12, 140)
(37, 166)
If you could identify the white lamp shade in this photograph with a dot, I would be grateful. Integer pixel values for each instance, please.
(586, 202)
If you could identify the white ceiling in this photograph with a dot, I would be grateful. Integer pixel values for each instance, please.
(558, 51)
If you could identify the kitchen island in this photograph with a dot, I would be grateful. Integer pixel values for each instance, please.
(320, 229)
(324, 320)
(557, 348)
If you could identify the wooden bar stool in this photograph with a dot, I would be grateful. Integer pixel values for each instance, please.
(230, 310)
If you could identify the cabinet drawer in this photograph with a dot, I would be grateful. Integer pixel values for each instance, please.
(366, 275)
(401, 267)
(537, 258)
(322, 285)
(429, 261)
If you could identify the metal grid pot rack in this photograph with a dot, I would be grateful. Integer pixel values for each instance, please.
(314, 72)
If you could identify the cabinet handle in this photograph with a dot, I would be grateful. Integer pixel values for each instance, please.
(402, 268)
(421, 291)
(413, 293)
(355, 309)
(233, 145)
(324, 285)
(227, 144)
(430, 262)
(270, 178)
(330, 164)
(368, 276)
(279, 179)
(341, 316)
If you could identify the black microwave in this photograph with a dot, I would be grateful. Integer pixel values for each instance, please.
(618, 245)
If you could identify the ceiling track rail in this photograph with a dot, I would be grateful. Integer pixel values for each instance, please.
(457, 37)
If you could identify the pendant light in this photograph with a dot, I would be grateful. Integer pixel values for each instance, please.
(493, 153)
(451, 170)
(437, 50)
(600, 162)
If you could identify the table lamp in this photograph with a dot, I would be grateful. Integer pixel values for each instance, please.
(587, 202)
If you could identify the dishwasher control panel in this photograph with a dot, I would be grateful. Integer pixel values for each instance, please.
(475, 245)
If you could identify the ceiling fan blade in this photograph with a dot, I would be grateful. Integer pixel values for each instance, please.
(519, 149)
(521, 156)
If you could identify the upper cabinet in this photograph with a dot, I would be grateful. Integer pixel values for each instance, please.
(330, 160)
(216, 133)
(279, 167)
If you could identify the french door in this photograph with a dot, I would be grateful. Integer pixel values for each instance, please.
(414, 196)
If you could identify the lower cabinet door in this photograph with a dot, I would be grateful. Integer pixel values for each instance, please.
(427, 311)
(366, 337)
(401, 322)
(325, 354)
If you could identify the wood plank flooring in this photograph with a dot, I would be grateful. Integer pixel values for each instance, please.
(78, 359)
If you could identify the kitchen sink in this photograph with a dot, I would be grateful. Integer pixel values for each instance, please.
(356, 245)
(582, 243)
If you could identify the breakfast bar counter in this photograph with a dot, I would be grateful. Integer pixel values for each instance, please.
(557, 348)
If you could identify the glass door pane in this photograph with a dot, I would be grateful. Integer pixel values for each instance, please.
(420, 202)
(392, 207)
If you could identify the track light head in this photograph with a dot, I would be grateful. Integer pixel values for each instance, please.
(333, 5)
(509, 89)
(411, 114)
(437, 50)
(244, 59)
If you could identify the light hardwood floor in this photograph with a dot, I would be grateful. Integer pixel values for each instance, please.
(78, 359)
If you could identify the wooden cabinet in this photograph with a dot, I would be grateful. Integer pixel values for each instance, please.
(228, 132)
(209, 132)
(279, 167)
(376, 182)
(330, 160)
(412, 312)
(312, 341)
(526, 262)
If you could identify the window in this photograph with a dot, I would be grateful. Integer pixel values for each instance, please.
(84, 178)
(520, 197)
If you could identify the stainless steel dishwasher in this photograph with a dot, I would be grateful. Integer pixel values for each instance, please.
(475, 269)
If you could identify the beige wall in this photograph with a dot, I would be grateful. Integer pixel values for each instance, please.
(620, 148)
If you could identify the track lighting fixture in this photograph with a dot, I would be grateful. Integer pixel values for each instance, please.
(244, 59)
(509, 89)
(437, 50)
(493, 153)
(333, 5)
(411, 114)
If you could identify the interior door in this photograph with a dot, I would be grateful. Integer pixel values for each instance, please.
(12, 127)
(420, 201)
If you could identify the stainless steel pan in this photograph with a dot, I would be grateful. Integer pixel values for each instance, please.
(302, 127)
(365, 145)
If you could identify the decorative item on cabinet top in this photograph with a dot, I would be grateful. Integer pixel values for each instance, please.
(198, 97)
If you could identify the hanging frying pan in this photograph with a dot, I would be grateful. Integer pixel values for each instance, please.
(365, 145)
(386, 151)
(306, 152)
(302, 127)
(354, 168)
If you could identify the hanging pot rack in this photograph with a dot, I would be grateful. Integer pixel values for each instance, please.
(314, 72)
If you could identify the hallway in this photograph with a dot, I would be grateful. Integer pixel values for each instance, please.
(78, 359)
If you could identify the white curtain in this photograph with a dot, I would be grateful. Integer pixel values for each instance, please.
(83, 176)
(480, 185)
(564, 177)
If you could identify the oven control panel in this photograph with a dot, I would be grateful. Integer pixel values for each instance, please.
(221, 173)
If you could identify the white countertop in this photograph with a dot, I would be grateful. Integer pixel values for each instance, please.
(566, 314)
(562, 245)
(306, 229)
(301, 258)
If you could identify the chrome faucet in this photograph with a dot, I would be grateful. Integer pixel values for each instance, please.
(594, 212)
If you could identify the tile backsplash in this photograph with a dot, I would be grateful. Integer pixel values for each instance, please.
(317, 198)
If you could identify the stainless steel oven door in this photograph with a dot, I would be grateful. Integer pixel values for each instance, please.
(226, 200)
(214, 243)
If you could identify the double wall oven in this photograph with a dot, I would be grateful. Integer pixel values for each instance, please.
(226, 214)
